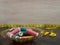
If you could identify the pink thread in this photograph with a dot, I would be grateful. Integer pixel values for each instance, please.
(31, 32)
(15, 31)
(8, 34)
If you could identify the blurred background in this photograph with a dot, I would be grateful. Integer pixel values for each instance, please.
(30, 11)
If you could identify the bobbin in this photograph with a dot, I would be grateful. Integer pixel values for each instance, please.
(31, 32)
(9, 34)
(23, 29)
(24, 33)
(16, 35)
(17, 38)
(16, 30)
(26, 38)
(20, 33)
(11, 29)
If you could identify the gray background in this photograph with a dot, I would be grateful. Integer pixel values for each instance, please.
(30, 11)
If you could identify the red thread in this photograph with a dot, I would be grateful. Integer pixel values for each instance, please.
(31, 32)
(15, 31)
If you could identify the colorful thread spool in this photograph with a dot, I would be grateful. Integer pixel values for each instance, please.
(31, 32)
(16, 36)
(26, 38)
(24, 33)
(9, 34)
(52, 34)
(20, 33)
(16, 30)
(11, 29)
(46, 33)
(23, 29)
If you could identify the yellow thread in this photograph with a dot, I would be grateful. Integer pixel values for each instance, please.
(46, 33)
(52, 34)
(36, 26)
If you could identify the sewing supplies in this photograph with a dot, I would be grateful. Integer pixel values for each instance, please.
(31, 32)
(11, 29)
(16, 30)
(36, 26)
(9, 34)
(26, 32)
(20, 33)
(52, 34)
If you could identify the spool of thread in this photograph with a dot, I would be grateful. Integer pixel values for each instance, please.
(24, 33)
(23, 29)
(20, 33)
(17, 38)
(11, 29)
(31, 32)
(16, 35)
(16, 30)
(9, 34)
(26, 38)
